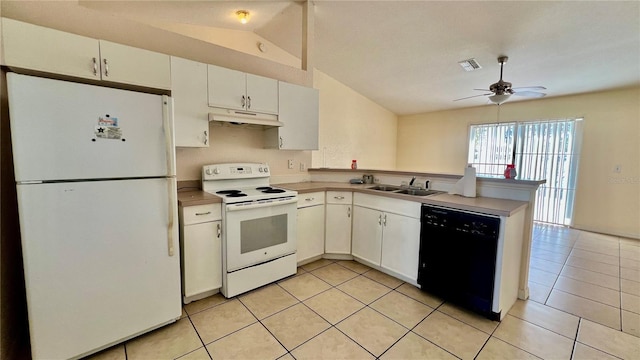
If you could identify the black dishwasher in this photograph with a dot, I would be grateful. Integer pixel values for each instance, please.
(458, 257)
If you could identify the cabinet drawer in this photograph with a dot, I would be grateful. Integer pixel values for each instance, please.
(310, 199)
(389, 205)
(201, 213)
(339, 197)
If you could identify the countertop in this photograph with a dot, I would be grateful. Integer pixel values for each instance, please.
(196, 197)
(497, 179)
(493, 206)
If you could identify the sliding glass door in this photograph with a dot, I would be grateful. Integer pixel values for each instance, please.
(546, 149)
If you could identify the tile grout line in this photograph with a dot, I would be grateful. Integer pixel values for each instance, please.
(199, 337)
(620, 286)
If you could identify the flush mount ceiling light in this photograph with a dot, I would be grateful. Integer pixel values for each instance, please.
(243, 16)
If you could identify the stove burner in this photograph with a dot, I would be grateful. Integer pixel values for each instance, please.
(225, 192)
(273, 191)
(238, 194)
(261, 188)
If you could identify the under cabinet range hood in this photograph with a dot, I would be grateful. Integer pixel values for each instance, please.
(240, 117)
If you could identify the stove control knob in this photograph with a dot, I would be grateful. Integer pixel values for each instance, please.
(209, 171)
(261, 169)
(216, 171)
(266, 170)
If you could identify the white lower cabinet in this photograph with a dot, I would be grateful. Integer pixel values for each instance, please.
(338, 223)
(310, 226)
(367, 234)
(401, 245)
(201, 245)
(386, 233)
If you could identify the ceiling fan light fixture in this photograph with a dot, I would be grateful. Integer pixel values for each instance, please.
(499, 99)
(243, 16)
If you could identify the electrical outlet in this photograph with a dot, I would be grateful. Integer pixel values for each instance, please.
(617, 169)
(290, 164)
(302, 167)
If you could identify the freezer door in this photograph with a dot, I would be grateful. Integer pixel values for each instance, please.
(97, 269)
(62, 130)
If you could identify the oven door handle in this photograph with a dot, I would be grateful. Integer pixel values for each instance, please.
(238, 207)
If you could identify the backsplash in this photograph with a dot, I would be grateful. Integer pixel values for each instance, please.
(240, 144)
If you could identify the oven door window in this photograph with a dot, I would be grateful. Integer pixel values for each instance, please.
(262, 233)
(255, 235)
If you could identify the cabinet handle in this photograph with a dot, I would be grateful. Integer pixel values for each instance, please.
(384, 222)
(349, 212)
(219, 231)
(206, 137)
(248, 102)
(95, 67)
(207, 213)
(106, 68)
(243, 101)
(309, 199)
(281, 142)
(339, 197)
(380, 219)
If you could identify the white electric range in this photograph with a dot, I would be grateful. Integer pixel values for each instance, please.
(258, 225)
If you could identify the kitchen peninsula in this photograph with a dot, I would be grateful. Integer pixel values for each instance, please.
(495, 196)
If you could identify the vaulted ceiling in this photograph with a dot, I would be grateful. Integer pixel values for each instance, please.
(404, 55)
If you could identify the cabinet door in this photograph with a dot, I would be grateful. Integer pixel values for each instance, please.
(226, 88)
(38, 48)
(299, 112)
(310, 232)
(190, 107)
(202, 258)
(401, 244)
(367, 234)
(129, 65)
(338, 229)
(262, 94)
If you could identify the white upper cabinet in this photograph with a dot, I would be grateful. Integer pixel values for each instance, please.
(190, 107)
(231, 89)
(38, 48)
(42, 49)
(129, 65)
(262, 94)
(299, 111)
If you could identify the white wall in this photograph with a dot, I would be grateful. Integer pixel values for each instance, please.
(353, 127)
(606, 202)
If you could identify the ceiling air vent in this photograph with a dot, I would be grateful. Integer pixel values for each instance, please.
(470, 65)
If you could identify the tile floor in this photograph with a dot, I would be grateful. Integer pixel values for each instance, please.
(585, 304)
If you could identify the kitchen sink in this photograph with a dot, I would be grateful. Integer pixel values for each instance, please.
(418, 192)
(385, 188)
(403, 190)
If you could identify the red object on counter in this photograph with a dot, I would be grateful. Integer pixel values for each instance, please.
(354, 164)
(510, 172)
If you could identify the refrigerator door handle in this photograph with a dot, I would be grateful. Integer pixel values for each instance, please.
(167, 118)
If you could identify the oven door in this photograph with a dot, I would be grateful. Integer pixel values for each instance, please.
(259, 231)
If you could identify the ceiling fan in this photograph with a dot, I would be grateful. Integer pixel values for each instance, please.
(502, 90)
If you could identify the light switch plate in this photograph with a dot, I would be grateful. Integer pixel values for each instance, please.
(290, 164)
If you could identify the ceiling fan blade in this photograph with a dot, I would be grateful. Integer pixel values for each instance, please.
(469, 97)
(528, 88)
(529, 94)
(482, 89)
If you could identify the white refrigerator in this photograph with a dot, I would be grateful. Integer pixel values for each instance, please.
(95, 178)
